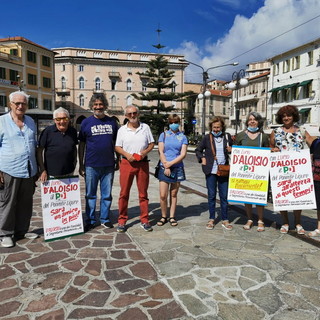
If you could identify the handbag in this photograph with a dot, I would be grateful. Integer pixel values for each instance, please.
(157, 168)
(223, 169)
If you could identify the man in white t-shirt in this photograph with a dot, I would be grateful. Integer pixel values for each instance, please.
(134, 142)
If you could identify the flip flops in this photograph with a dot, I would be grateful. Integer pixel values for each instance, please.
(248, 225)
(314, 233)
(226, 225)
(210, 225)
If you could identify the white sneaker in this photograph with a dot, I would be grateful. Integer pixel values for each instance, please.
(6, 242)
(31, 235)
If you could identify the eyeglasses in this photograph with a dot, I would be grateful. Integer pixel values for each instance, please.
(62, 119)
(19, 103)
(130, 114)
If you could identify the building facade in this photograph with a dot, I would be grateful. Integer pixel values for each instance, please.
(27, 66)
(295, 79)
(81, 72)
(251, 97)
(218, 104)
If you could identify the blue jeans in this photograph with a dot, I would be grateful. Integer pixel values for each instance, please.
(93, 176)
(212, 181)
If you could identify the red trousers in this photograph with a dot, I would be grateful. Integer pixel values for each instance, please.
(129, 170)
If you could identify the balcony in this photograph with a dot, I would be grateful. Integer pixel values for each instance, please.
(143, 76)
(63, 92)
(114, 74)
(8, 57)
(115, 111)
(249, 97)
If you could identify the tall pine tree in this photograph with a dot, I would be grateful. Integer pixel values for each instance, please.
(159, 77)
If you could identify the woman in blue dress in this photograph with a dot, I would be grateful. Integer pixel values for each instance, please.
(172, 150)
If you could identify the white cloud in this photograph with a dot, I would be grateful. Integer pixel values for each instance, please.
(270, 21)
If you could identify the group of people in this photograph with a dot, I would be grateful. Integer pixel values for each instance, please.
(104, 148)
(214, 148)
(102, 143)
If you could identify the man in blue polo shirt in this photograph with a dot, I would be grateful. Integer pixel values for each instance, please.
(97, 160)
(57, 151)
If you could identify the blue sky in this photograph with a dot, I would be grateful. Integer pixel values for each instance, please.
(207, 32)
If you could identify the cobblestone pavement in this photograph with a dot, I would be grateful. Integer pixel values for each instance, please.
(183, 272)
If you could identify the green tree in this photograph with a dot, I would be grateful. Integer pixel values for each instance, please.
(158, 77)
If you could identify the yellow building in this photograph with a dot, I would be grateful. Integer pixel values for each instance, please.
(27, 66)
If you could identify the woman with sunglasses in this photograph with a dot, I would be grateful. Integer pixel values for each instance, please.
(172, 150)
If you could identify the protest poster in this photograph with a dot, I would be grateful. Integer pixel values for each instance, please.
(61, 208)
(249, 175)
(291, 180)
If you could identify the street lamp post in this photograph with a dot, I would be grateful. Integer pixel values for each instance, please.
(239, 81)
(206, 93)
(20, 83)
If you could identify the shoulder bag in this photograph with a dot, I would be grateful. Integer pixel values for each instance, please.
(223, 169)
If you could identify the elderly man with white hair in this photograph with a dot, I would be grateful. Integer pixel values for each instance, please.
(18, 168)
(57, 152)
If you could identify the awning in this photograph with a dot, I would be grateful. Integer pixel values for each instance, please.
(304, 110)
(288, 86)
(291, 85)
(304, 83)
(276, 89)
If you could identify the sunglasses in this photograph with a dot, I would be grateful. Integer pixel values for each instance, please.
(19, 103)
(62, 119)
(130, 114)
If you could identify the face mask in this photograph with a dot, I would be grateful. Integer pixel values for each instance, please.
(253, 129)
(174, 126)
(217, 134)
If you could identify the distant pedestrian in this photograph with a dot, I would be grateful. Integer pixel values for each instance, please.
(172, 150)
(212, 151)
(288, 137)
(97, 161)
(18, 169)
(134, 142)
(253, 136)
(57, 149)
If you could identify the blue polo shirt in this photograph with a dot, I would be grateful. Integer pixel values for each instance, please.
(99, 136)
(18, 147)
(60, 155)
(173, 142)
